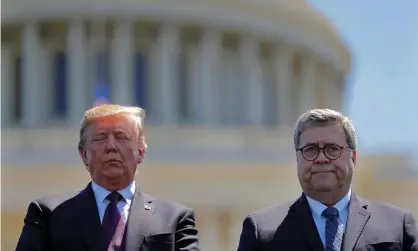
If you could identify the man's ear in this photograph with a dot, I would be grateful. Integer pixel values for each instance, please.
(84, 155)
(354, 157)
(297, 157)
(141, 154)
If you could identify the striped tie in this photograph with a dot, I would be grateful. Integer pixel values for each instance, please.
(333, 232)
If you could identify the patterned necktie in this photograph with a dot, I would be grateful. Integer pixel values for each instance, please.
(113, 224)
(333, 233)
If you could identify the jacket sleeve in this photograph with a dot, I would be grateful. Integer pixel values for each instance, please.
(34, 233)
(249, 235)
(410, 241)
(186, 233)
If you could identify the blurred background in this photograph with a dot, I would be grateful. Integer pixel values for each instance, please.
(222, 82)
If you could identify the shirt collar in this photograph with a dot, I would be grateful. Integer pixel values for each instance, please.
(317, 207)
(101, 193)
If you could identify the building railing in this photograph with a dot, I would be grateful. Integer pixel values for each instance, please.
(166, 144)
(61, 137)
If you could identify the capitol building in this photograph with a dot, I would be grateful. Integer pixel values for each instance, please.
(222, 82)
(184, 62)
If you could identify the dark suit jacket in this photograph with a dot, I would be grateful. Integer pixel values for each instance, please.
(370, 226)
(72, 223)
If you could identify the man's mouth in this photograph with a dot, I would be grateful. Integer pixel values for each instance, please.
(112, 161)
(319, 172)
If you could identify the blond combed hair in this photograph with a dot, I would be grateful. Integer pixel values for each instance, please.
(137, 114)
(325, 117)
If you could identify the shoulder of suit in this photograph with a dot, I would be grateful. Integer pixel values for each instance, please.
(373, 205)
(160, 202)
(53, 201)
(273, 210)
(268, 218)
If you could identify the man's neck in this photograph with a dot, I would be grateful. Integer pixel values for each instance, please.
(327, 198)
(114, 186)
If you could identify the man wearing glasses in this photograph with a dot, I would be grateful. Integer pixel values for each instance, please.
(329, 215)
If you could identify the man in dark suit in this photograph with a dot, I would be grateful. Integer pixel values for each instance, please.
(111, 213)
(328, 216)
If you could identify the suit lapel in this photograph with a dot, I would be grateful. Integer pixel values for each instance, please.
(357, 219)
(138, 221)
(88, 218)
(305, 223)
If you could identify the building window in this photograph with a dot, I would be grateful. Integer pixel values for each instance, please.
(140, 81)
(233, 94)
(192, 107)
(226, 94)
(101, 79)
(60, 85)
(182, 90)
(270, 95)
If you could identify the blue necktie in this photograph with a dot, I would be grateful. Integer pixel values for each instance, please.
(113, 225)
(333, 233)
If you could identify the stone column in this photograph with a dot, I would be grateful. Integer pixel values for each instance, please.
(7, 92)
(284, 69)
(77, 74)
(340, 89)
(122, 89)
(250, 56)
(332, 93)
(166, 104)
(32, 95)
(46, 75)
(206, 91)
(307, 89)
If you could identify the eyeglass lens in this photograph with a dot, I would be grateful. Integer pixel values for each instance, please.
(330, 151)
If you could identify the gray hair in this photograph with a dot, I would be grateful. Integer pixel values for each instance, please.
(135, 113)
(325, 117)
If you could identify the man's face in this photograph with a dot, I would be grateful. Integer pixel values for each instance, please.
(323, 174)
(112, 151)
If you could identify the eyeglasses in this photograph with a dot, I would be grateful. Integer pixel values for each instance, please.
(332, 151)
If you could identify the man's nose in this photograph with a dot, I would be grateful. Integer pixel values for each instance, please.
(321, 159)
(111, 144)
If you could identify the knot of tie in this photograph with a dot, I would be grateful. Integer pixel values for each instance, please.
(114, 197)
(330, 213)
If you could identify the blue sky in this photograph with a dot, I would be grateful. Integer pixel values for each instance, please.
(381, 98)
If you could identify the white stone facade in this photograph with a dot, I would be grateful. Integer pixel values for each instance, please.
(221, 71)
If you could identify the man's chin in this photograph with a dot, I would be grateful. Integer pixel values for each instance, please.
(323, 188)
(115, 175)
(116, 182)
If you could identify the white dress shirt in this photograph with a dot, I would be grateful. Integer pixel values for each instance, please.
(100, 194)
(317, 208)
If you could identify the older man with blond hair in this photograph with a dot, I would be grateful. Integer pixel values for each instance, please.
(328, 215)
(112, 213)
